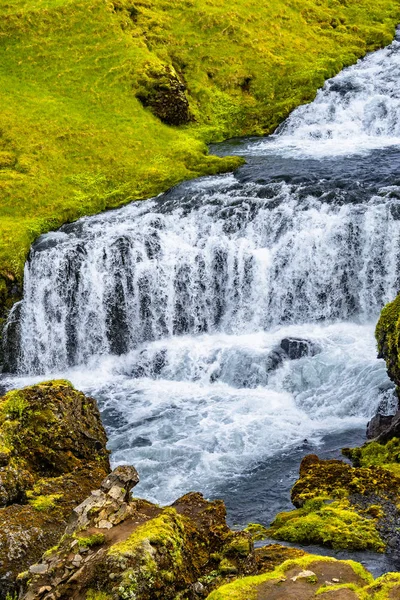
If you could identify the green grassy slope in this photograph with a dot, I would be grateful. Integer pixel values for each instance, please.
(74, 138)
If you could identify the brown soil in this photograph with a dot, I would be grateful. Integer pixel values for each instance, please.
(304, 590)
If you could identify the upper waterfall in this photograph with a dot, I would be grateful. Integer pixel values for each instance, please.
(356, 111)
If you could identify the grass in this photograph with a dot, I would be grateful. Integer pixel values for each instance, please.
(75, 139)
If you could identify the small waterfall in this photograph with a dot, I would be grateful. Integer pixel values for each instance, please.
(232, 317)
(236, 263)
(354, 112)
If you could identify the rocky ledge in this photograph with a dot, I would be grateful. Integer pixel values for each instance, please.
(52, 454)
(70, 529)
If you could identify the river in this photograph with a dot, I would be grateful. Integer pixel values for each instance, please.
(226, 327)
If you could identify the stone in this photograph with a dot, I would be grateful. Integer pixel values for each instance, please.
(303, 575)
(123, 478)
(39, 569)
(392, 431)
(296, 348)
(378, 425)
(104, 525)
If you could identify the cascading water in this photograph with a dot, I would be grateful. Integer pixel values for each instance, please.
(230, 318)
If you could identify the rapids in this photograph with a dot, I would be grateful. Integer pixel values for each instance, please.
(180, 314)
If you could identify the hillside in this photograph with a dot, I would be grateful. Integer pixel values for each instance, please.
(79, 80)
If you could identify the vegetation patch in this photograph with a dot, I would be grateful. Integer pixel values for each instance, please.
(331, 523)
(44, 503)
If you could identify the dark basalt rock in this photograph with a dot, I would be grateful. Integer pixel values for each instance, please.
(391, 431)
(164, 93)
(378, 424)
(295, 348)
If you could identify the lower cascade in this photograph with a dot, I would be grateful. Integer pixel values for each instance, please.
(232, 317)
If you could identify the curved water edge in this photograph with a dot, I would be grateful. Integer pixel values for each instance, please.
(227, 326)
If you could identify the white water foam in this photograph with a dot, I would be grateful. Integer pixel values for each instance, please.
(185, 430)
(355, 112)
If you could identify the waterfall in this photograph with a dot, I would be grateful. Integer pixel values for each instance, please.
(244, 258)
(233, 316)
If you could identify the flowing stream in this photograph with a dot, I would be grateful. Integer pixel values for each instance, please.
(226, 328)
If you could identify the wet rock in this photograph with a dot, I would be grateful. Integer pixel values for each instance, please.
(391, 431)
(378, 424)
(296, 348)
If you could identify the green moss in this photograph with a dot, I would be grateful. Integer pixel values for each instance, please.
(43, 503)
(93, 595)
(380, 589)
(75, 139)
(238, 545)
(164, 530)
(14, 405)
(258, 532)
(334, 524)
(226, 567)
(96, 539)
(374, 454)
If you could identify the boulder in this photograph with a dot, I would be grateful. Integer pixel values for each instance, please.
(296, 348)
(163, 91)
(378, 424)
(52, 454)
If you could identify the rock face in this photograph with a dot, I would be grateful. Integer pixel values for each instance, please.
(387, 337)
(116, 548)
(378, 425)
(164, 93)
(52, 454)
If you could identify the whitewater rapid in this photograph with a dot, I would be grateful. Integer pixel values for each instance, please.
(232, 319)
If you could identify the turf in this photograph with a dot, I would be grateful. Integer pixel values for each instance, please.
(74, 138)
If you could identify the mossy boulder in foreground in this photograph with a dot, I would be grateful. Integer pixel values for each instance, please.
(346, 507)
(52, 454)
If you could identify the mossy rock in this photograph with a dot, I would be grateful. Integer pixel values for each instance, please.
(344, 506)
(52, 454)
(387, 335)
(161, 89)
(154, 553)
(301, 579)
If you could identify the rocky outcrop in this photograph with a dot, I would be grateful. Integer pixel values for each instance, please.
(161, 89)
(52, 454)
(118, 548)
(344, 506)
(387, 337)
(307, 578)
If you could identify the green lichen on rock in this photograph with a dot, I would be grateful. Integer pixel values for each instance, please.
(343, 506)
(52, 454)
(387, 335)
(258, 532)
(330, 523)
(41, 502)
